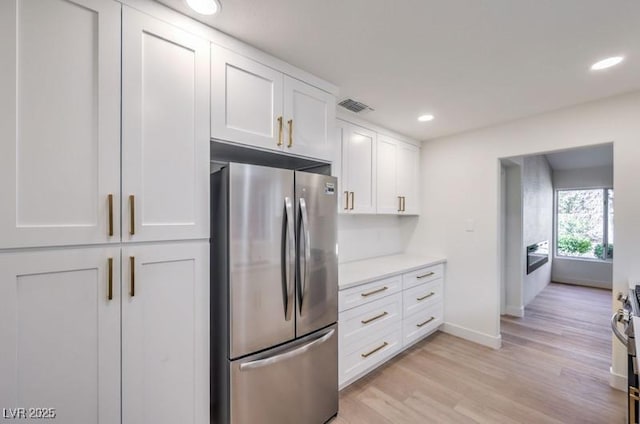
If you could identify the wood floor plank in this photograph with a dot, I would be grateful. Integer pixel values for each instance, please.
(553, 368)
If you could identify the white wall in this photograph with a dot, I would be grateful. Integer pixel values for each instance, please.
(369, 236)
(576, 271)
(537, 218)
(460, 180)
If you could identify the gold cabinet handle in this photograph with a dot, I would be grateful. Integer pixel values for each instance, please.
(381, 289)
(110, 201)
(346, 200)
(110, 279)
(382, 346)
(426, 296)
(279, 131)
(132, 270)
(404, 199)
(290, 122)
(353, 197)
(132, 216)
(428, 274)
(399, 203)
(367, 321)
(422, 324)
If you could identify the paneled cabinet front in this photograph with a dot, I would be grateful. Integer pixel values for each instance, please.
(60, 332)
(165, 329)
(165, 131)
(358, 182)
(59, 122)
(397, 182)
(259, 106)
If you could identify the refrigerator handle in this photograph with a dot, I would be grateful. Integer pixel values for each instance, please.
(287, 355)
(288, 260)
(304, 228)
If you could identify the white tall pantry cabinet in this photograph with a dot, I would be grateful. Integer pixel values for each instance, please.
(101, 328)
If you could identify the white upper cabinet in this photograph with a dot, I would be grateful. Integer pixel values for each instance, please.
(358, 193)
(165, 131)
(60, 332)
(246, 100)
(256, 105)
(59, 122)
(397, 170)
(408, 178)
(165, 334)
(310, 115)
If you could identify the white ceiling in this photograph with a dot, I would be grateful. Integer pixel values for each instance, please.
(471, 63)
(587, 157)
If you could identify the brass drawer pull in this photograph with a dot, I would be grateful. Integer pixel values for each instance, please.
(346, 204)
(110, 230)
(381, 289)
(422, 324)
(132, 217)
(382, 346)
(367, 321)
(279, 130)
(404, 199)
(353, 200)
(428, 274)
(110, 279)
(399, 203)
(290, 122)
(426, 296)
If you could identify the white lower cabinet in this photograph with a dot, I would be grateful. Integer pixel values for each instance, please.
(381, 318)
(64, 312)
(60, 333)
(165, 333)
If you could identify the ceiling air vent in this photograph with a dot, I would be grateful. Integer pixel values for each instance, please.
(354, 106)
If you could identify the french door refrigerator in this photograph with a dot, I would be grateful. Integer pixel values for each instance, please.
(274, 296)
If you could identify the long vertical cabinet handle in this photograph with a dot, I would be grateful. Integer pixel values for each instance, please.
(290, 122)
(132, 216)
(110, 223)
(304, 228)
(404, 200)
(288, 259)
(279, 131)
(110, 279)
(399, 203)
(353, 197)
(132, 270)
(346, 200)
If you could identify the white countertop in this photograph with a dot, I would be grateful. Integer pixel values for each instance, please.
(359, 272)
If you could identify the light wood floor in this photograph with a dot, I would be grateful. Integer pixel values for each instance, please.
(553, 368)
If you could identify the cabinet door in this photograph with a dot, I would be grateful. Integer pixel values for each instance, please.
(246, 101)
(388, 199)
(59, 121)
(310, 114)
(408, 179)
(359, 169)
(165, 334)
(165, 138)
(60, 333)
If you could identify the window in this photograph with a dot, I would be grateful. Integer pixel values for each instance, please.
(585, 223)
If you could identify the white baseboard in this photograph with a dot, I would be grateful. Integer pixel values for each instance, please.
(494, 342)
(617, 381)
(514, 311)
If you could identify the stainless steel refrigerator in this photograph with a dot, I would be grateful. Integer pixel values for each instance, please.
(274, 296)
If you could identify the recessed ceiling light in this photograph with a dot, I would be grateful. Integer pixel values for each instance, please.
(425, 118)
(204, 7)
(607, 63)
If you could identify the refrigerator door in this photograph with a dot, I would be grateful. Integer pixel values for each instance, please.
(293, 384)
(261, 258)
(317, 261)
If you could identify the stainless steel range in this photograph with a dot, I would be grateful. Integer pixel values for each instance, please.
(624, 316)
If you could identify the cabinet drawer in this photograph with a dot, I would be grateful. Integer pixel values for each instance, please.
(421, 323)
(373, 353)
(367, 320)
(365, 293)
(419, 297)
(422, 275)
